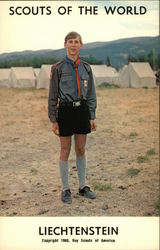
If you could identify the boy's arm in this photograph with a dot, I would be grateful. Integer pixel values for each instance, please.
(91, 96)
(53, 95)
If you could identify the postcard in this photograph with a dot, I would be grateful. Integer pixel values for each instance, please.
(79, 89)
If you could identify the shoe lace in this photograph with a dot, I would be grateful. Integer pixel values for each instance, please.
(67, 192)
(87, 188)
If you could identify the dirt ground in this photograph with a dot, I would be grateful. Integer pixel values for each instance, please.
(122, 156)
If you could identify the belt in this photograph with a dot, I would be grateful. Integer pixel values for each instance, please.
(74, 104)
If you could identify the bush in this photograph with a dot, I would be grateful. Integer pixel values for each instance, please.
(133, 172)
(102, 187)
(107, 85)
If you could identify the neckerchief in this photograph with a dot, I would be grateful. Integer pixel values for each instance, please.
(76, 75)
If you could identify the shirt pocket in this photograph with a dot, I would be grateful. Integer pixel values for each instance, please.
(66, 82)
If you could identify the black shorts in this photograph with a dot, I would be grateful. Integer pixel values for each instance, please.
(73, 120)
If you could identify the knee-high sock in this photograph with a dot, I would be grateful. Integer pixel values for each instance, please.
(63, 166)
(81, 167)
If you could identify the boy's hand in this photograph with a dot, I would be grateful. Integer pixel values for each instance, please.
(55, 128)
(93, 125)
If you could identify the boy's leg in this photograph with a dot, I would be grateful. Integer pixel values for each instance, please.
(65, 142)
(80, 142)
(63, 166)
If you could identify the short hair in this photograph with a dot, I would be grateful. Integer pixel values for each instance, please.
(73, 35)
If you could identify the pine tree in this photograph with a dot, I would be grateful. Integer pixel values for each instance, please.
(108, 61)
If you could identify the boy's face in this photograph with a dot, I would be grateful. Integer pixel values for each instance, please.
(73, 46)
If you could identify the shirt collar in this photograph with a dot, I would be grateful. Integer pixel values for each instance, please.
(69, 61)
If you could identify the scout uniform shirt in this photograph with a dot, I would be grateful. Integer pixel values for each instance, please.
(63, 86)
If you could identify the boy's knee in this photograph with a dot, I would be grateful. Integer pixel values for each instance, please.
(80, 151)
(65, 153)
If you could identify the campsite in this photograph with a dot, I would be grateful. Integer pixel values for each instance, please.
(122, 155)
(136, 75)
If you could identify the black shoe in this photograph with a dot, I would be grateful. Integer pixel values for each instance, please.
(66, 196)
(87, 192)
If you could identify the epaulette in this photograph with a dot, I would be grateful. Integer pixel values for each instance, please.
(58, 63)
(57, 68)
(87, 66)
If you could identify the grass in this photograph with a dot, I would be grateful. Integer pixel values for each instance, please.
(34, 171)
(23, 90)
(145, 158)
(133, 134)
(102, 187)
(140, 120)
(105, 85)
(28, 90)
(133, 172)
(150, 152)
(108, 130)
(142, 158)
(157, 205)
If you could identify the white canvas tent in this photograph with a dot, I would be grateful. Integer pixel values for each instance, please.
(4, 77)
(137, 75)
(142, 75)
(123, 77)
(36, 71)
(43, 78)
(22, 77)
(104, 74)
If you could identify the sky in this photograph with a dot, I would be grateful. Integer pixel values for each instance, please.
(35, 32)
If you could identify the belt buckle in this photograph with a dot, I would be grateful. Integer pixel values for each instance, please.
(76, 104)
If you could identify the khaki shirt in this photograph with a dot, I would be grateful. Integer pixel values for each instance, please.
(62, 87)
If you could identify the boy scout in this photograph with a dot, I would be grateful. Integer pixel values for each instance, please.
(71, 109)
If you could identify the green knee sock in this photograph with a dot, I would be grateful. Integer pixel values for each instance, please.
(81, 167)
(63, 166)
